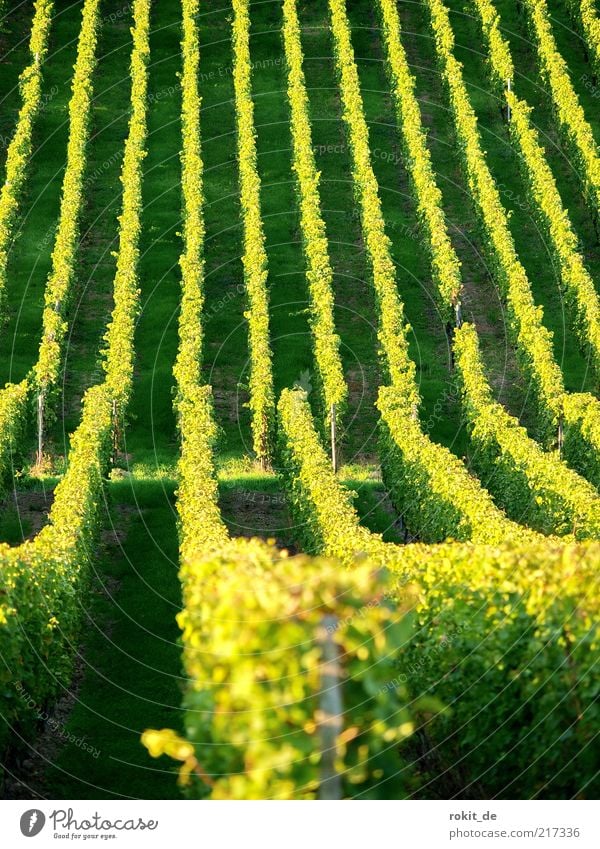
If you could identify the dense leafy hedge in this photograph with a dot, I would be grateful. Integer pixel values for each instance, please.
(14, 400)
(533, 340)
(393, 328)
(60, 284)
(535, 487)
(41, 581)
(254, 625)
(445, 264)
(569, 113)
(319, 274)
(431, 488)
(585, 14)
(508, 639)
(262, 398)
(20, 147)
(325, 518)
(187, 369)
(581, 295)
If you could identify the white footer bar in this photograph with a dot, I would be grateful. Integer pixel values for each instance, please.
(298, 825)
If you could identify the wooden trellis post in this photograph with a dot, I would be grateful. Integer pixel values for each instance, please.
(334, 462)
(560, 436)
(330, 716)
(40, 426)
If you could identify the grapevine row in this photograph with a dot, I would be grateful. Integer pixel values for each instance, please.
(59, 287)
(200, 524)
(217, 571)
(526, 468)
(20, 147)
(445, 265)
(581, 412)
(586, 17)
(393, 327)
(535, 487)
(441, 499)
(546, 201)
(14, 399)
(41, 580)
(409, 457)
(508, 616)
(534, 341)
(510, 639)
(567, 108)
(319, 274)
(262, 404)
(431, 488)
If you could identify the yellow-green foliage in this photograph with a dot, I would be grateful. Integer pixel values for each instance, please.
(262, 399)
(252, 625)
(392, 327)
(59, 287)
(508, 638)
(445, 265)
(14, 401)
(201, 528)
(582, 435)
(567, 108)
(581, 295)
(42, 580)
(13, 406)
(200, 525)
(187, 368)
(534, 486)
(119, 335)
(20, 147)
(431, 488)
(587, 19)
(533, 340)
(325, 517)
(326, 342)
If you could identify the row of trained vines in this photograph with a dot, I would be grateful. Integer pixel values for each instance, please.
(20, 147)
(582, 298)
(43, 579)
(255, 256)
(535, 488)
(15, 399)
(569, 113)
(348, 666)
(579, 412)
